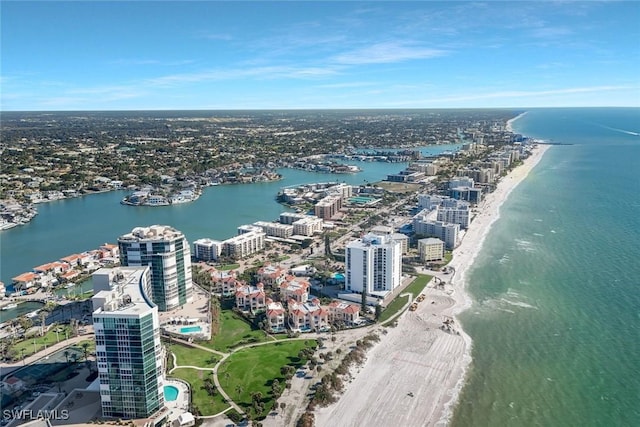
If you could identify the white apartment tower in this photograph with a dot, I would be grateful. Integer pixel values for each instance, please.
(167, 252)
(128, 350)
(373, 265)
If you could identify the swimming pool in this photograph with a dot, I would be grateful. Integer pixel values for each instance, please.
(189, 329)
(170, 393)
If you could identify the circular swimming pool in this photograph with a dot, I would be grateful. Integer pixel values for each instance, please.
(170, 393)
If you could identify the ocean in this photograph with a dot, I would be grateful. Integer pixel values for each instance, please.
(555, 319)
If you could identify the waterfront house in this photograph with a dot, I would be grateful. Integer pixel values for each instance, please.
(73, 260)
(250, 298)
(25, 281)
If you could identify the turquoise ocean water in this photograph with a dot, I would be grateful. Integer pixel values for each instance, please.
(556, 314)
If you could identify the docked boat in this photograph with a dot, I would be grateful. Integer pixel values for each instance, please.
(9, 306)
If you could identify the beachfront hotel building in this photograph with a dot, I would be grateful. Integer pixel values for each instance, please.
(431, 249)
(168, 253)
(373, 265)
(445, 231)
(460, 215)
(207, 249)
(129, 354)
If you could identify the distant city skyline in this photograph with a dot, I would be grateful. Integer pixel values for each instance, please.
(143, 55)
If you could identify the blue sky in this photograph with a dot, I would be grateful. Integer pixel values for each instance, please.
(131, 55)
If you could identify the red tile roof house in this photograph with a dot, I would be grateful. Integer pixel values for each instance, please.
(224, 281)
(307, 317)
(51, 268)
(73, 260)
(294, 288)
(275, 316)
(250, 298)
(344, 312)
(271, 275)
(25, 281)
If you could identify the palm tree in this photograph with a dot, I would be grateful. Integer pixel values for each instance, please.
(85, 346)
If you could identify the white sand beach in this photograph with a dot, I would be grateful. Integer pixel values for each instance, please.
(414, 375)
(509, 126)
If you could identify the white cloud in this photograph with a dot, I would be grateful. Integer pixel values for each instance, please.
(387, 52)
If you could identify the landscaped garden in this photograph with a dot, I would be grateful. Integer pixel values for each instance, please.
(203, 402)
(190, 356)
(248, 375)
(234, 331)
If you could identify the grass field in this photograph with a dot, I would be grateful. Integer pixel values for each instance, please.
(34, 344)
(254, 369)
(206, 404)
(398, 302)
(234, 331)
(189, 356)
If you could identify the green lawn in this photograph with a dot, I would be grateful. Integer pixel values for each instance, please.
(38, 343)
(228, 267)
(207, 405)
(393, 307)
(254, 369)
(189, 356)
(234, 331)
(414, 288)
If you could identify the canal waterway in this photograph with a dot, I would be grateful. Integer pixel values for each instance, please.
(70, 226)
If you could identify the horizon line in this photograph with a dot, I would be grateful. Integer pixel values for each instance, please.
(318, 109)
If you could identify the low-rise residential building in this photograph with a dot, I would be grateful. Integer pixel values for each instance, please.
(328, 207)
(447, 232)
(250, 298)
(309, 316)
(307, 226)
(291, 217)
(275, 229)
(25, 281)
(340, 311)
(74, 260)
(294, 288)
(431, 249)
(207, 249)
(271, 275)
(244, 245)
(403, 239)
(276, 316)
(51, 268)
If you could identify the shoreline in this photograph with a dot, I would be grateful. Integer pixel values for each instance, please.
(414, 376)
(509, 126)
